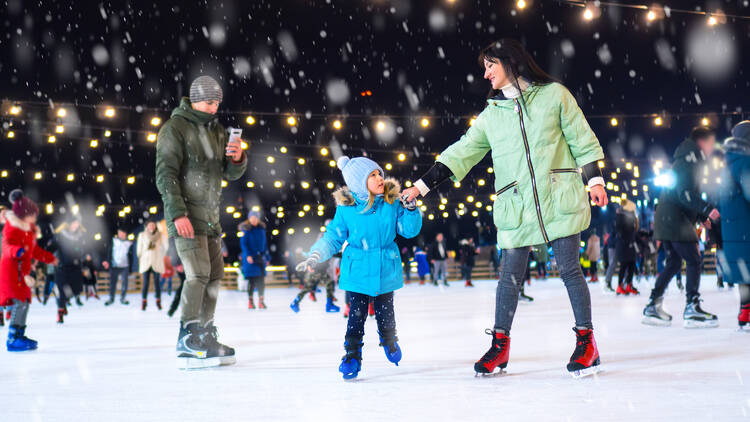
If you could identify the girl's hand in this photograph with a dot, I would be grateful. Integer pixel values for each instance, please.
(599, 195)
(409, 205)
(411, 194)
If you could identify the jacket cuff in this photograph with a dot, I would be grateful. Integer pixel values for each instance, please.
(242, 161)
(598, 180)
(423, 189)
(436, 175)
(592, 171)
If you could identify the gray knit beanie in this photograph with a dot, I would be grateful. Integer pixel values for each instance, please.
(205, 88)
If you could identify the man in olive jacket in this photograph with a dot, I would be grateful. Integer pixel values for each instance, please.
(680, 208)
(193, 155)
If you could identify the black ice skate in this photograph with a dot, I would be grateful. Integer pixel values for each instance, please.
(192, 353)
(224, 353)
(653, 314)
(695, 317)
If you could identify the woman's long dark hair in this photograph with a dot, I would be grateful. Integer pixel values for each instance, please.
(516, 62)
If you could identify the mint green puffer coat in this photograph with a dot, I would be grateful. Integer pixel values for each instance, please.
(536, 152)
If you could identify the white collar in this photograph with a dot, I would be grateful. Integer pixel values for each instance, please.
(510, 91)
(16, 222)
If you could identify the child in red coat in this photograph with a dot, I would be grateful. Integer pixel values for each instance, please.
(18, 249)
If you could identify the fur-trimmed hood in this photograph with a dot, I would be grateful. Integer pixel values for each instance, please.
(13, 220)
(391, 192)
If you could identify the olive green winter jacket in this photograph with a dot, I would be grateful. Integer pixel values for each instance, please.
(536, 152)
(190, 165)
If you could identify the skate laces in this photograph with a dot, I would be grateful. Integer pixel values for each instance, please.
(582, 344)
(497, 348)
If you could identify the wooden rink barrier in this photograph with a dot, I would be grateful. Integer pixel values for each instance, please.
(276, 276)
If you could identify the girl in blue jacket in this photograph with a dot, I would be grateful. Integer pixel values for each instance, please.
(368, 217)
(253, 243)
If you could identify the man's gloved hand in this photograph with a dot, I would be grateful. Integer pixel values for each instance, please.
(409, 205)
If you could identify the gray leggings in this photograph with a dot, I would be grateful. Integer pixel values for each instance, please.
(513, 267)
(18, 313)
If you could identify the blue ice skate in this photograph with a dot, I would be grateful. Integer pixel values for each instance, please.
(330, 307)
(351, 363)
(295, 305)
(17, 340)
(391, 347)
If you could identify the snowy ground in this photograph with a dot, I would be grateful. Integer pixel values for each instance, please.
(117, 364)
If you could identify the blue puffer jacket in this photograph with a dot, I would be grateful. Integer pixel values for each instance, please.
(735, 212)
(371, 263)
(253, 243)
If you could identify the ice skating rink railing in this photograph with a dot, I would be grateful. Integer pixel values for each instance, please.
(277, 275)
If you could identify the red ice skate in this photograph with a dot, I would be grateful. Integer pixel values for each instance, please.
(744, 317)
(621, 291)
(585, 358)
(632, 290)
(497, 356)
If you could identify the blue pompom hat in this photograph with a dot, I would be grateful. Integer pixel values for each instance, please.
(356, 171)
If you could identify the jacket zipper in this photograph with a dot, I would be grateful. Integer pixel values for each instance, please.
(571, 170)
(531, 170)
(506, 188)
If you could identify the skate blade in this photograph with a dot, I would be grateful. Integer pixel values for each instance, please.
(196, 363)
(491, 374)
(227, 360)
(656, 322)
(581, 373)
(701, 324)
(744, 329)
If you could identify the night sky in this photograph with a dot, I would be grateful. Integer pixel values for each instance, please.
(312, 60)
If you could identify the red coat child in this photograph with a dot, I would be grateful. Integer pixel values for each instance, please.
(17, 235)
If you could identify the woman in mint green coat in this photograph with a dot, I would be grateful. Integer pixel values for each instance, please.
(541, 146)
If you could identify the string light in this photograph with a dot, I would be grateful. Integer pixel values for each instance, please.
(332, 163)
(521, 4)
(472, 120)
(613, 122)
(59, 129)
(250, 120)
(301, 161)
(15, 110)
(153, 210)
(380, 126)
(425, 122)
(250, 184)
(337, 124)
(11, 134)
(38, 175)
(224, 183)
(401, 157)
(94, 143)
(330, 185)
(705, 121)
(100, 178)
(388, 166)
(130, 180)
(283, 150)
(305, 185)
(324, 151)
(277, 184)
(61, 112)
(109, 112)
(658, 121)
(291, 121)
(71, 177)
(51, 139)
(4, 174)
(107, 133)
(151, 137)
(155, 121)
(270, 159)
(712, 21)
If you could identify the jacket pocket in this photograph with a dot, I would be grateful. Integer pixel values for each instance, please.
(508, 208)
(568, 193)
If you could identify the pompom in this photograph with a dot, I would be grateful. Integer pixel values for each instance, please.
(342, 161)
(15, 195)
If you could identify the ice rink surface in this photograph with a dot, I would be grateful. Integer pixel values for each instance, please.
(117, 363)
